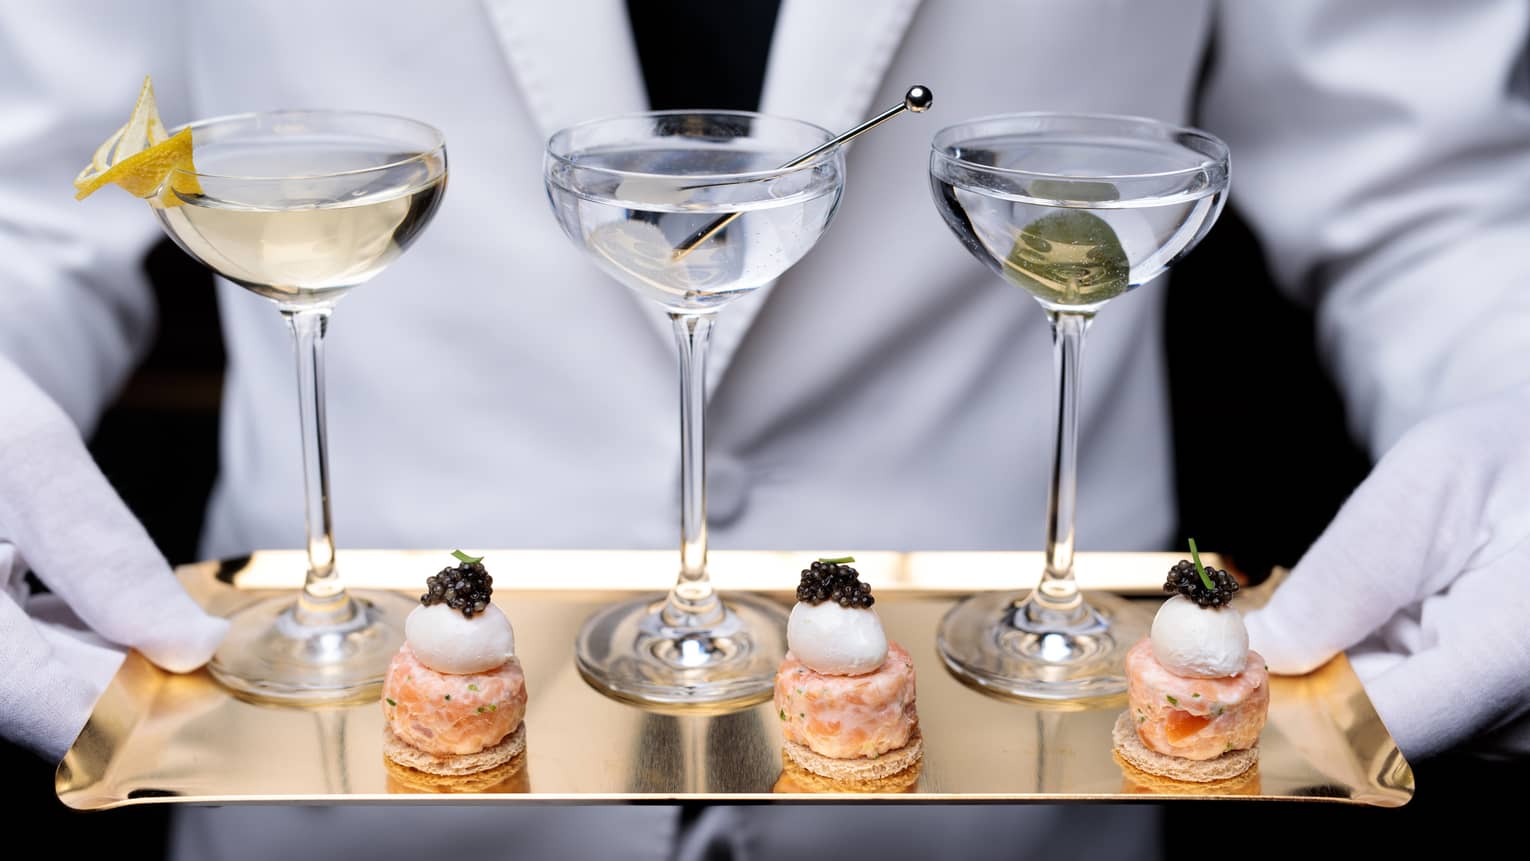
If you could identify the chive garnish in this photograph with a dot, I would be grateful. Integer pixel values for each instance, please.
(1200, 569)
(1169, 697)
(838, 560)
(472, 687)
(390, 701)
(464, 558)
(448, 697)
(481, 709)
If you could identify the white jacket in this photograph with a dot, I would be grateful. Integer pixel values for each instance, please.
(493, 388)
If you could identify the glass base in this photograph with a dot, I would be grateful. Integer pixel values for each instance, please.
(1002, 643)
(268, 655)
(627, 652)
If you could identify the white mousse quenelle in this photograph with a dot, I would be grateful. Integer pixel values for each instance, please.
(837, 640)
(845, 694)
(449, 642)
(1199, 642)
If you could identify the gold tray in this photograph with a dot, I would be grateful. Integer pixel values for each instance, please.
(161, 738)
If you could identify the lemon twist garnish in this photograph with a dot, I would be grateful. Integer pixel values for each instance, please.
(140, 155)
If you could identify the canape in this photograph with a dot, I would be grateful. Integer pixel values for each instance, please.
(454, 696)
(845, 694)
(1197, 695)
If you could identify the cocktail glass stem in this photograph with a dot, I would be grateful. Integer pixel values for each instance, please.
(330, 645)
(690, 648)
(1051, 643)
(1056, 598)
(324, 601)
(693, 603)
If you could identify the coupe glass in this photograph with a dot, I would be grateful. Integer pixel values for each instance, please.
(300, 207)
(1075, 210)
(691, 210)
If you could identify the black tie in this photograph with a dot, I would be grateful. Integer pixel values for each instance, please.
(703, 53)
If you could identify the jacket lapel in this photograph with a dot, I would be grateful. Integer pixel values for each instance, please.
(574, 60)
(826, 64)
(827, 59)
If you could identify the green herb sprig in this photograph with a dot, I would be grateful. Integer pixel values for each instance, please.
(838, 560)
(1201, 569)
(466, 559)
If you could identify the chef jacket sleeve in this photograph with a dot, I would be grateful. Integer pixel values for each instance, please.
(75, 307)
(1381, 149)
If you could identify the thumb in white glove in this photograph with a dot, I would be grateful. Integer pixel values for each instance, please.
(79, 538)
(1425, 575)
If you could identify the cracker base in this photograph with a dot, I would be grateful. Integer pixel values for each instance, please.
(1130, 748)
(401, 752)
(889, 764)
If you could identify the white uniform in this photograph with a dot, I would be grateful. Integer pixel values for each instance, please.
(494, 389)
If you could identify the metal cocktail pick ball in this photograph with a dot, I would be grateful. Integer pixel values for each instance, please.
(918, 98)
(916, 101)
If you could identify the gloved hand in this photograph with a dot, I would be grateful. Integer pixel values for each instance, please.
(1424, 576)
(79, 538)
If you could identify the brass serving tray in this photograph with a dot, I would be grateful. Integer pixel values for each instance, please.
(161, 738)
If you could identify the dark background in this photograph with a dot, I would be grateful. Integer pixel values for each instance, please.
(1262, 456)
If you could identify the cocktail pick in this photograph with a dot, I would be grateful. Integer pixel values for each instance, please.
(917, 100)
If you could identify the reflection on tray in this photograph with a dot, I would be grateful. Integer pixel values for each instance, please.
(509, 778)
(1135, 781)
(796, 780)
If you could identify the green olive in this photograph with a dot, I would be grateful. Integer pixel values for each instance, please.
(1069, 257)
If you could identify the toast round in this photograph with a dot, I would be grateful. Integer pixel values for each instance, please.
(795, 779)
(398, 751)
(889, 764)
(1131, 749)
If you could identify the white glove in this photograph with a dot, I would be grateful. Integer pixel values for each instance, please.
(79, 538)
(1425, 576)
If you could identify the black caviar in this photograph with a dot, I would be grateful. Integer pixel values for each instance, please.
(1184, 579)
(831, 580)
(465, 588)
